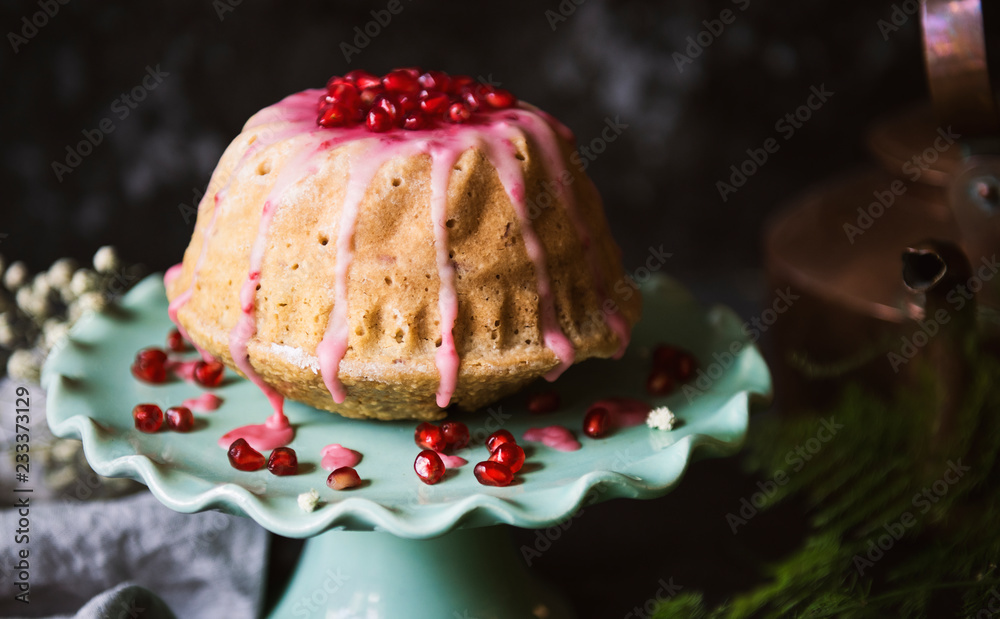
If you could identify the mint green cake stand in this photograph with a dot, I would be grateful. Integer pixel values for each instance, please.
(396, 547)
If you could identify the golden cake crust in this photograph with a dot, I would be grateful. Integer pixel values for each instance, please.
(389, 368)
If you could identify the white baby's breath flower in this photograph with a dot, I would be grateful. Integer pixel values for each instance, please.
(661, 418)
(106, 260)
(15, 276)
(7, 334)
(308, 500)
(84, 281)
(25, 365)
(60, 274)
(54, 332)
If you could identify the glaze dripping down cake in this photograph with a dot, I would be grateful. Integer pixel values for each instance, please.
(407, 243)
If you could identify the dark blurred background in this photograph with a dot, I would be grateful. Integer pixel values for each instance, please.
(603, 60)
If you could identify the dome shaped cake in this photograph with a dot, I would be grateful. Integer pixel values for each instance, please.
(362, 267)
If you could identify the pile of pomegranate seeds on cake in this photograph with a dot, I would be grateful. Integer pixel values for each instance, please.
(406, 99)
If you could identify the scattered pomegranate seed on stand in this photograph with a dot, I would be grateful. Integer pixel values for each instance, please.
(491, 473)
(429, 467)
(544, 402)
(596, 422)
(499, 438)
(671, 365)
(510, 455)
(429, 436)
(179, 419)
(150, 365)
(343, 478)
(283, 461)
(175, 341)
(243, 457)
(456, 434)
(148, 418)
(209, 373)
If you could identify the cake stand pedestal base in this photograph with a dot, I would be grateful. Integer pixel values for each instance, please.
(468, 573)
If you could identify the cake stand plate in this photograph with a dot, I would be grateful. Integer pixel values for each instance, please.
(371, 552)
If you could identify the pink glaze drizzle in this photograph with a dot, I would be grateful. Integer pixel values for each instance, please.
(557, 169)
(446, 357)
(182, 369)
(625, 412)
(273, 433)
(335, 456)
(452, 462)
(204, 403)
(557, 437)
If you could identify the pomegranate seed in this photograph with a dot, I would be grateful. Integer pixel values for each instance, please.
(434, 103)
(664, 356)
(343, 478)
(344, 95)
(175, 341)
(244, 457)
(363, 79)
(459, 113)
(471, 100)
(209, 373)
(179, 419)
(151, 355)
(659, 382)
(458, 83)
(401, 80)
(434, 80)
(429, 436)
(148, 418)
(368, 95)
(335, 116)
(150, 365)
(414, 121)
(283, 461)
(388, 104)
(378, 120)
(493, 474)
(456, 434)
(544, 402)
(407, 104)
(499, 438)
(595, 423)
(684, 366)
(509, 455)
(500, 99)
(429, 467)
